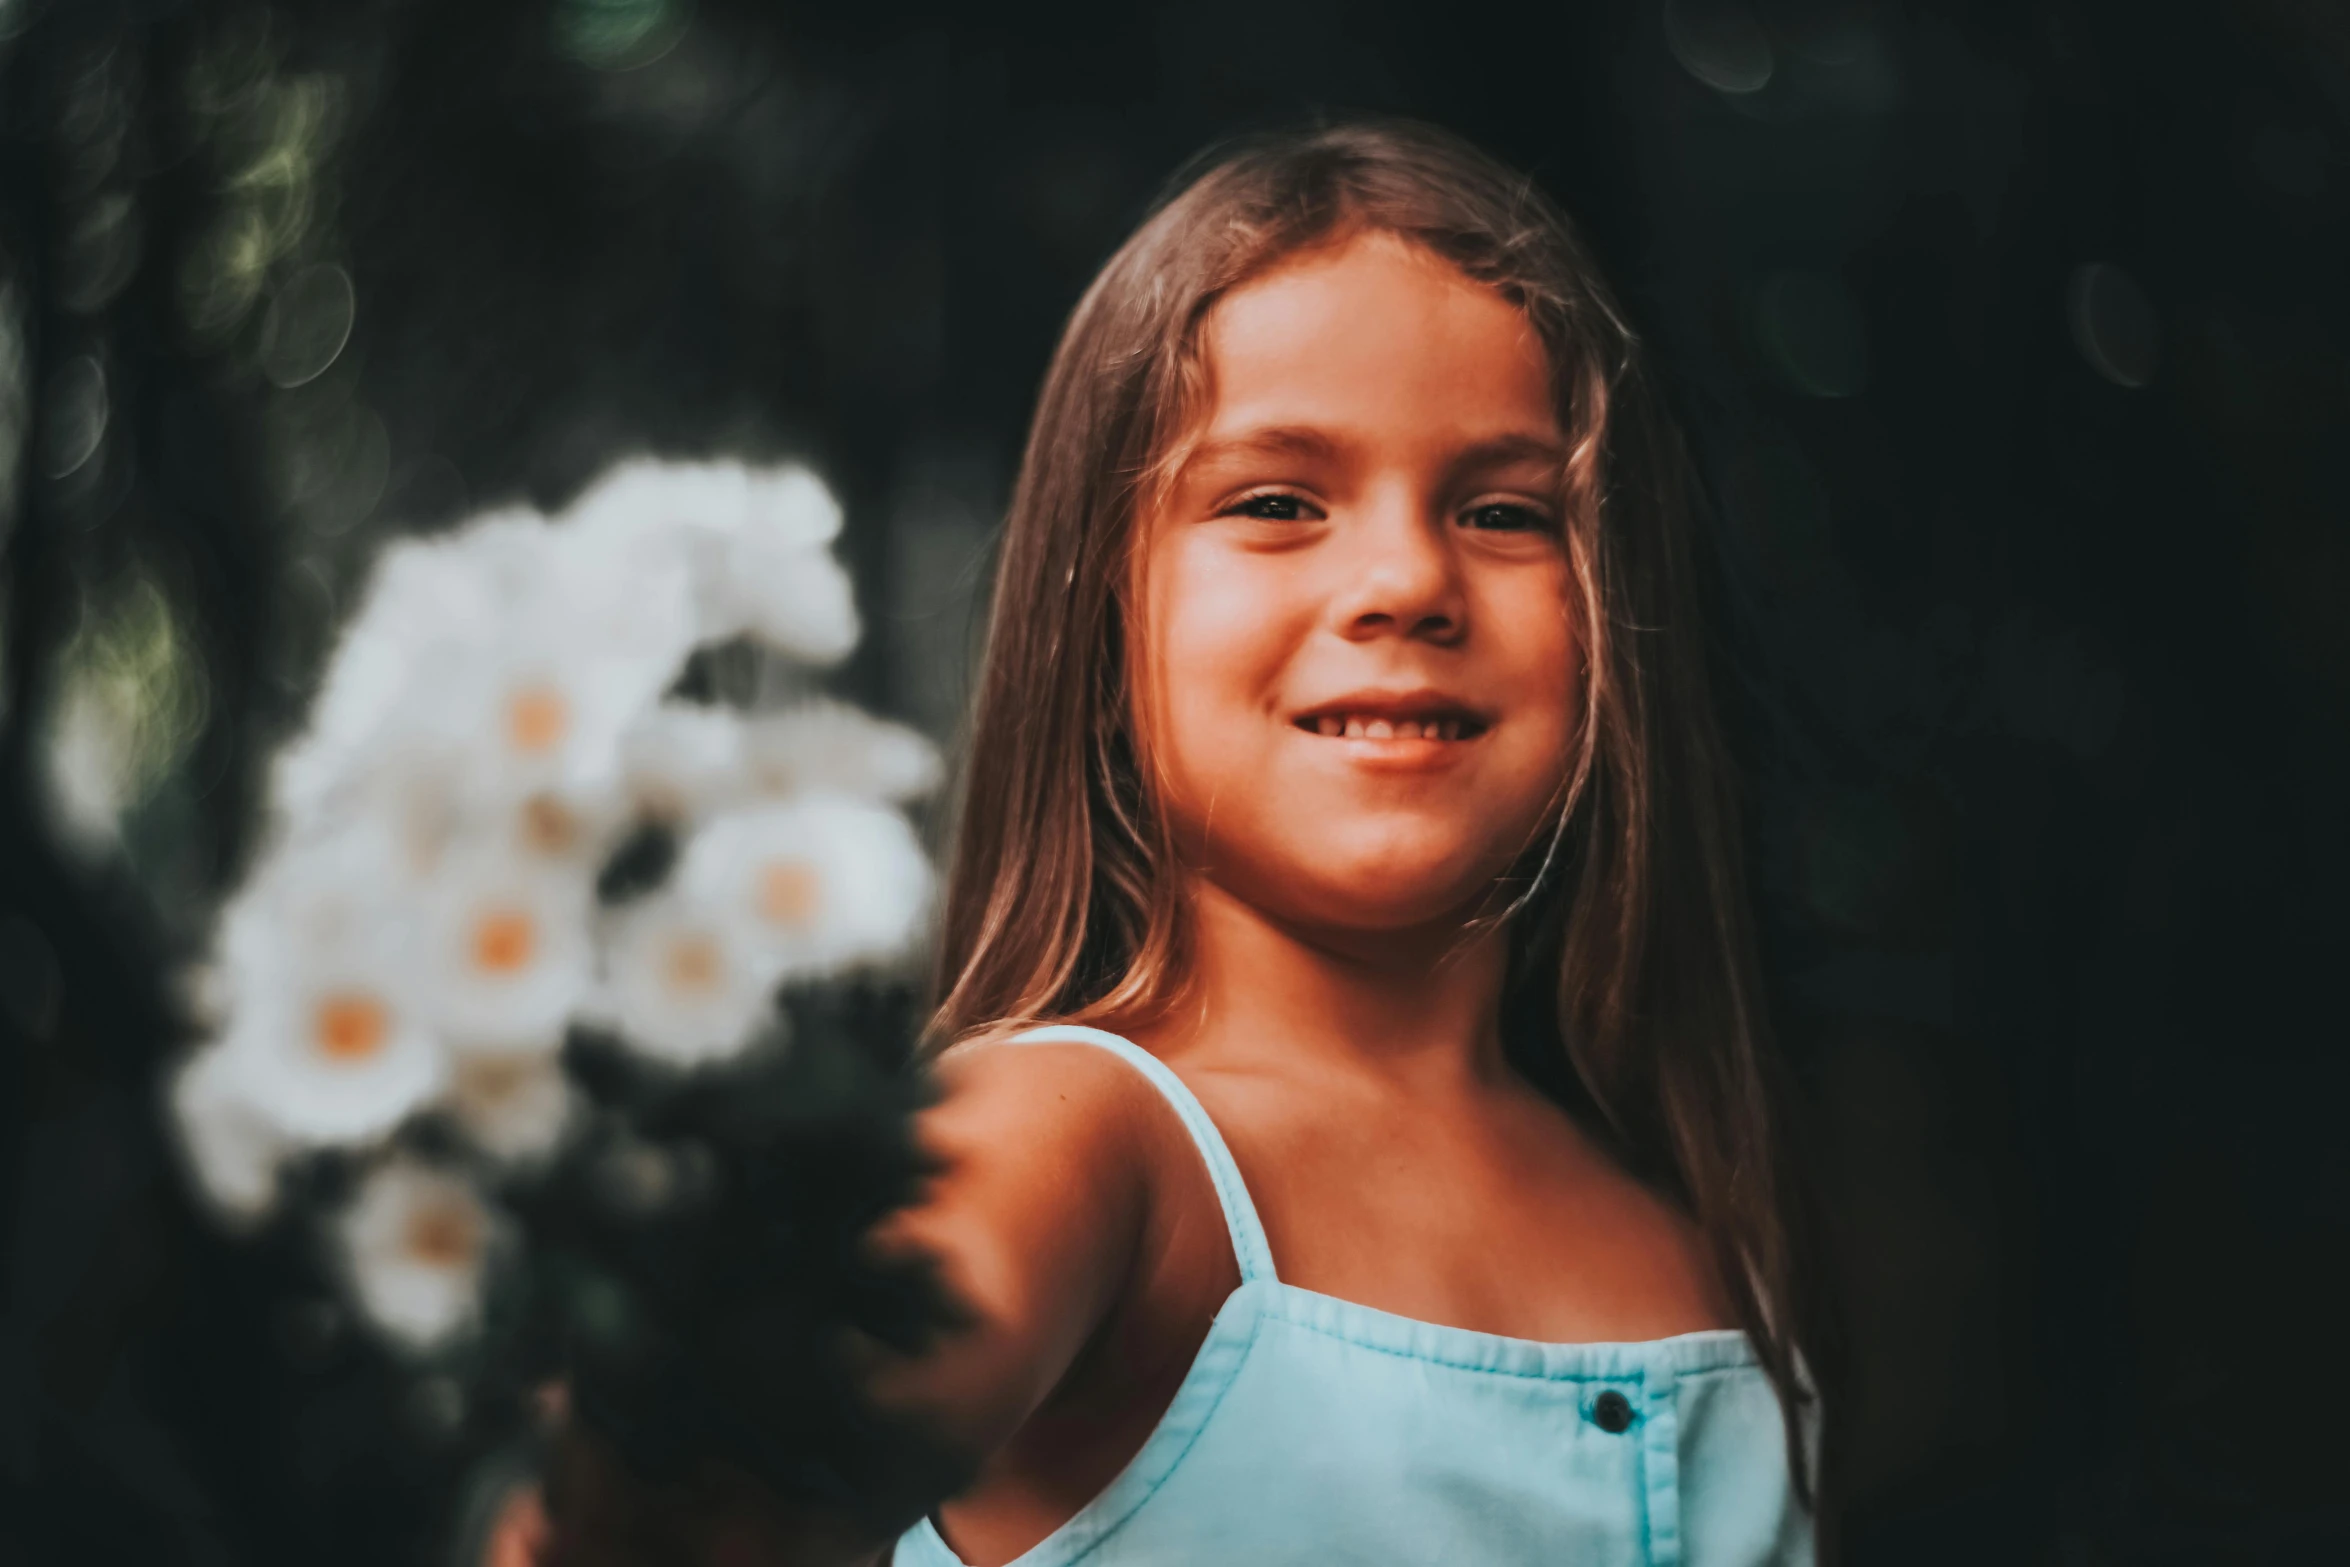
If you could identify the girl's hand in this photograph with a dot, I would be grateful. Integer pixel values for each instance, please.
(519, 1537)
(598, 1513)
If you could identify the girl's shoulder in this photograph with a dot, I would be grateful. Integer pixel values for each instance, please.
(1063, 1132)
(1059, 1099)
(1046, 1214)
(1005, 1054)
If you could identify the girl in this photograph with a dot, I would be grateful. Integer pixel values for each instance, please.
(1357, 1143)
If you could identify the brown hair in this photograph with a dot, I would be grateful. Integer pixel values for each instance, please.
(1062, 898)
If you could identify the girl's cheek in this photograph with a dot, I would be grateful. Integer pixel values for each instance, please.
(1211, 587)
(1221, 617)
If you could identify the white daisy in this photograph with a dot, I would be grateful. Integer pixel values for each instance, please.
(650, 495)
(506, 956)
(201, 991)
(230, 1146)
(683, 983)
(789, 504)
(792, 596)
(821, 883)
(693, 509)
(507, 657)
(781, 581)
(316, 959)
(647, 497)
(758, 542)
(544, 705)
(513, 1106)
(832, 747)
(334, 1057)
(411, 797)
(573, 830)
(416, 1244)
(430, 607)
(681, 760)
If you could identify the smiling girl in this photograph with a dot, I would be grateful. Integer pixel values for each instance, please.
(1358, 1144)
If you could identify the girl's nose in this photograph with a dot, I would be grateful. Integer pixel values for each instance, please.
(1401, 574)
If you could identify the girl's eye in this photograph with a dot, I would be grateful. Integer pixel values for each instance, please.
(1502, 516)
(1273, 506)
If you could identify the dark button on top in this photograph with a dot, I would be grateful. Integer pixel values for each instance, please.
(1612, 1412)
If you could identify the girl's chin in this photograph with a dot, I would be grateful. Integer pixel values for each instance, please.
(1374, 901)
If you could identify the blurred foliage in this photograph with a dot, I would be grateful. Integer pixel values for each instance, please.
(2014, 341)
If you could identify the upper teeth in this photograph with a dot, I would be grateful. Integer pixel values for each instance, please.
(1354, 726)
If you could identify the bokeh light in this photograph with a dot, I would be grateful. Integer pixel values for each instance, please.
(308, 323)
(1721, 43)
(619, 35)
(16, 403)
(129, 700)
(78, 411)
(2113, 323)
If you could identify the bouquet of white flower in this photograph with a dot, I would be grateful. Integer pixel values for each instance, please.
(435, 915)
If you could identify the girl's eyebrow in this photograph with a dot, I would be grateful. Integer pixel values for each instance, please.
(1533, 459)
(1307, 442)
(1501, 451)
(1279, 440)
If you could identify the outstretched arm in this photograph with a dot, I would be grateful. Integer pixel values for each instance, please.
(1027, 1225)
(1033, 1223)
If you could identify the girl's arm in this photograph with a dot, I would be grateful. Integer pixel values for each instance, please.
(1034, 1223)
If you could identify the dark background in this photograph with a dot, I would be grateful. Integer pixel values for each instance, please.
(2014, 336)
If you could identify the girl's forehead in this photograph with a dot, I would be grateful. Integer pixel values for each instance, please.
(1364, 266)
(1370, 331)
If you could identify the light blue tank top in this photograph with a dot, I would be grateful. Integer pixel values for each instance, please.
(1312, 1429)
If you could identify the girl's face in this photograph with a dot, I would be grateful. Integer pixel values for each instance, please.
(1356, 658)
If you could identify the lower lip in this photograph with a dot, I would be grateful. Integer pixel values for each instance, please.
(1394, 753)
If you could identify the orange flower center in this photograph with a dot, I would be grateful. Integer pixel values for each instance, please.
(440, 1235)
(350, 1027)
(693, 963)
(536, 718)
(503, 941)
(548, 824)
(491, 1079)
(789, 891)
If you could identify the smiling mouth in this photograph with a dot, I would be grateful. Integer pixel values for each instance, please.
(1440, 725)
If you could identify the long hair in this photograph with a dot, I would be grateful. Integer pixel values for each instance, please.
(1630, 929)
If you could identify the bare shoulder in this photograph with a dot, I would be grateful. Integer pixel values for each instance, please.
(1075, 1098)
(1042, 1145)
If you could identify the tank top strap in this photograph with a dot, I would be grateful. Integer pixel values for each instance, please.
(1240, 1214)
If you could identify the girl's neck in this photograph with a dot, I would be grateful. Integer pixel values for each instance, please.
(1418, 1007)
